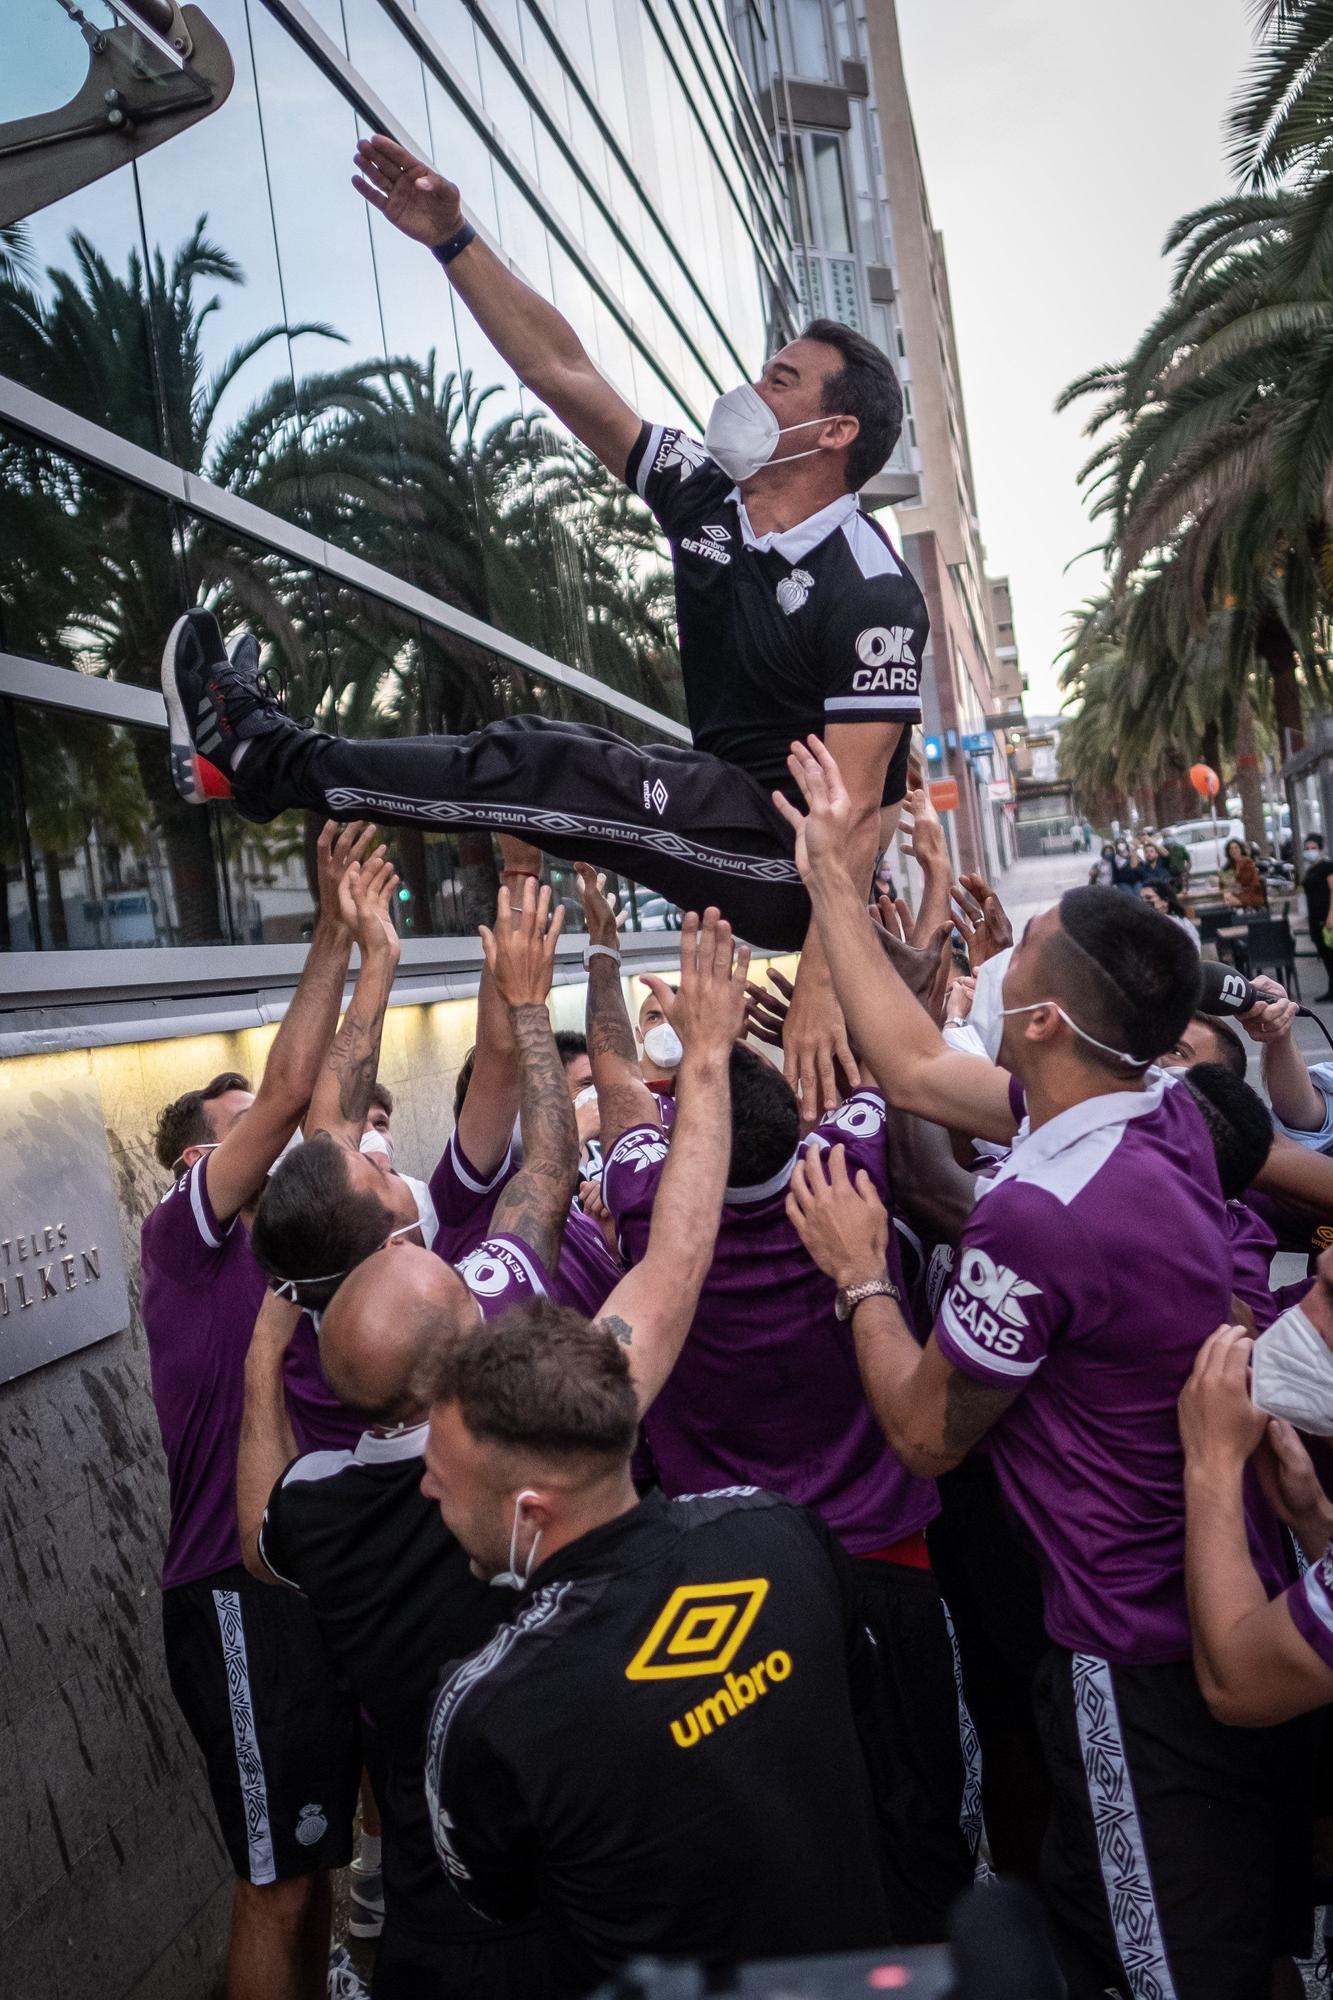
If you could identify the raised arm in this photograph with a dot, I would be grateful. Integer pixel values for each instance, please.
(342, 1096)
(623, 1098)
(915, 1067)
(486, 1121)
(268, 1444)
(520, 957)
(237, 1168)
(538, 342)
(652, 1308)
(1253, 1666)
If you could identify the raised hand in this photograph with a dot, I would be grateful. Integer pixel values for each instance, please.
(337, 849)
(822, 831)
(520, 951)
(998, 932)
(708, 1010)
(370, 885)
(407, 191)
(604, 923)
(924, 970)
(843, 1224)
(766, 1013)
(926, 844)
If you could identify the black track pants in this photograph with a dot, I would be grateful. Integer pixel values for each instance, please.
(674, 819)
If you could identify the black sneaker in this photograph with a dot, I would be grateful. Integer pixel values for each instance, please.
(217, 699)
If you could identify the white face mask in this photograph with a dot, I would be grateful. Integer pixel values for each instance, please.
(663, 1046)
(509, 1579)
(987, 1013)
(743, 433)
(377, 1142)
(588, 1095)
(1291, 1373)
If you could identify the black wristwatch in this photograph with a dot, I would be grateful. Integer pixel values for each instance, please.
(851, 1296)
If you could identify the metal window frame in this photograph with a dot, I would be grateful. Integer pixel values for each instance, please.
(52, 424)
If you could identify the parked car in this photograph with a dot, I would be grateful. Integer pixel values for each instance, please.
(653, 913)
(1207, 851)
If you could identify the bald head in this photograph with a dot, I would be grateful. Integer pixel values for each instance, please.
(385, 1320)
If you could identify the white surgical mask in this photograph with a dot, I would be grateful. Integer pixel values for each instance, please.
(743, 433)
(377, 1142)
(663, 1046)
(1291, 1373)
(509, 1579)
(588, 1095)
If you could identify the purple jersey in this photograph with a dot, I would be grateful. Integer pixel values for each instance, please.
(1310, 1602)
(465, 1202)
(1093, 1267)
(320, 1421)
(1253, 1246)
(767, 1391)
(202, 1291)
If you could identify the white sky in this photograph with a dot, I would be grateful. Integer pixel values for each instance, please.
(1060, 141)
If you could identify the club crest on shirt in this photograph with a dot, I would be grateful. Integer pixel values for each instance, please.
(794, 589)
(679, 450)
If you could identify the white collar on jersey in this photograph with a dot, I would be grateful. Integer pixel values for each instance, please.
(372, 1450)
(793, 543)
(1031, 1150)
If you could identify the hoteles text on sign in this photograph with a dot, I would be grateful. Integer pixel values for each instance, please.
(62, 1273)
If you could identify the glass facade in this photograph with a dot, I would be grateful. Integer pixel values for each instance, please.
(226, 307)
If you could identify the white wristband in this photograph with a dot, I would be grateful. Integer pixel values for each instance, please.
(592, 951)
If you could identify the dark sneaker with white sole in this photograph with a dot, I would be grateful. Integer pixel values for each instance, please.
(366, 1918)
(217, 701)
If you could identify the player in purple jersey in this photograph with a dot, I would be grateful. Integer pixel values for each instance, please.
(1066, 1345)
(252, 1678)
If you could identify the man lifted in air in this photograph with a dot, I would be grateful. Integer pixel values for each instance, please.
(794, 613)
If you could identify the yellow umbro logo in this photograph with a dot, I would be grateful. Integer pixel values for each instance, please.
(698, 1630)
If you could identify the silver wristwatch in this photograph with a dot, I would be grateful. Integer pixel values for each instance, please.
(851, 1296)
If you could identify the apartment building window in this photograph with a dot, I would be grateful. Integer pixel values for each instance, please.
(826, 269)
(830, 189)
(803, 38)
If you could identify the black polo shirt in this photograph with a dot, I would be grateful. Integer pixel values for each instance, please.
(395, 1598)
(781, 634)
(662, 1751)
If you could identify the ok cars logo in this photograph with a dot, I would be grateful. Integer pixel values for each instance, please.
(698, 1630)
(886, 645)
(640, 1151)
(996, 1286)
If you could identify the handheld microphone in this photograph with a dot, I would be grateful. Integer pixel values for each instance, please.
(1226, 991)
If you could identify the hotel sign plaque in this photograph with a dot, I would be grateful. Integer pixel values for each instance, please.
(62, 1275)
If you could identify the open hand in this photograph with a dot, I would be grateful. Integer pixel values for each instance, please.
(766, 1013)
(823, 830)
(407, 191)
(364, 893)
(925, 829)
(599, 915)
(843, 1224)
(520, 951)
(708, 1009)
(923, 969)
(336, 850)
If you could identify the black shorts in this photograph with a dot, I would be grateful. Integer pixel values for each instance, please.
(512, 1964)
(1177, 1863)
(279, 1737)
(924, 1768)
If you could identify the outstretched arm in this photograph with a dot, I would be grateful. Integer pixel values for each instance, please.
(538, 342)
(916, 1068)
(341, 1098)
(623, 1098)
(652, 1308)
(236, 1169)
(520, 957)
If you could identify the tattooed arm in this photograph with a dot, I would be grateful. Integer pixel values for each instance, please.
(342, 1096)
(520, 958)
(652, 1308)
(929, 1411)
(623, 1098)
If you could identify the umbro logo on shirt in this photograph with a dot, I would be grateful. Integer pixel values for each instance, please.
(709, 543)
